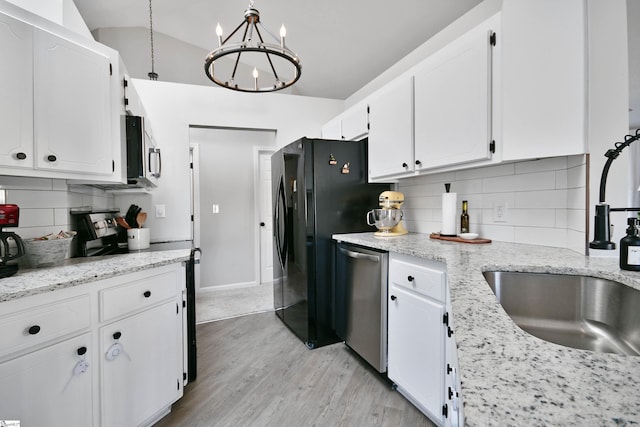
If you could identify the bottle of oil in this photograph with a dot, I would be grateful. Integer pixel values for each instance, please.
(464, 218)
(630, 247)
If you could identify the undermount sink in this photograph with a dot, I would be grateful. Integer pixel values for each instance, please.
(582, 312)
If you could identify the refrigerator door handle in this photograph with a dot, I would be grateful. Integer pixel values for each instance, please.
(280, 203)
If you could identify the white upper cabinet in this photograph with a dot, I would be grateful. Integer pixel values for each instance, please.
(391, 129)
(352, 125)
(72, 106)
(453, 101)
(16, 102)
(544, 78)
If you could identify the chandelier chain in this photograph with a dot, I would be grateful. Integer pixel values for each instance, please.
(152, 74)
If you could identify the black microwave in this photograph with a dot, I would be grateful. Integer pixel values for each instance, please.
(144, 161)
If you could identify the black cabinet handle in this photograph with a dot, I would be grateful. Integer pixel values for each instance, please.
(117, 336)
(21, 156)
(34, 329)
(404, 165)
(81, 351)
(410, 278)
(147, 294)
(393, 298)
(418, 162)
(52, 158)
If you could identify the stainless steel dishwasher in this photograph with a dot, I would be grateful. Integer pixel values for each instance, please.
(361, 302)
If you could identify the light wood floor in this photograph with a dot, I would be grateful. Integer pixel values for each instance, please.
(252, 371)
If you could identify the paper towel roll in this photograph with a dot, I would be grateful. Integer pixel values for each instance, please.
(449, 206)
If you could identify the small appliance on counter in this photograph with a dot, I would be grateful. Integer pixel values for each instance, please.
(388, 220)
(98, 233)
(12, 246)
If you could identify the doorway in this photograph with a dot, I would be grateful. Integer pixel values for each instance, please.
(229, 204)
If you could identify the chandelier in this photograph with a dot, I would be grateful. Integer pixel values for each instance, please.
(265, 67)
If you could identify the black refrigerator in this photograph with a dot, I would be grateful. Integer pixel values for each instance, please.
(320, 188)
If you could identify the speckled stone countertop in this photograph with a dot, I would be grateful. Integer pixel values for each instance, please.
(511, 378)
(76, 271)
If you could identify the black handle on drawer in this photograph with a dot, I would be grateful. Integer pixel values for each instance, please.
(147, 294)
(418, 162)
(117, 336)
(21, 156)
(410, 278)
(404, 165)
(34, 329)
(393, 297)
(52, 158)
(81, 351)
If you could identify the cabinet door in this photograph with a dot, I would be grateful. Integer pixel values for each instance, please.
(332, 129)
(72, 107)
(416, 349)
(355, 123)
(49, 387)
(453, 103)
(144, 375)
(391, 129)
(16, 102)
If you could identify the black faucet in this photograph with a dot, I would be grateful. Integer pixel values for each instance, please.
(602, 230)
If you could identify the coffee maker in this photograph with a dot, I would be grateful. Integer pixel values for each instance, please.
(11, 245)
(388, 220)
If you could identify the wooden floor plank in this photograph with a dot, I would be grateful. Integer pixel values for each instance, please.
(252, 371)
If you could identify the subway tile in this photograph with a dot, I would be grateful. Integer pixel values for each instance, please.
(499, 233)
(532, 217)
(577, 177)
(541, 199)
(541, 165)
(36, 217)
(576, 198)
(561, 179)
(541, 236)
(486, 172)
(489, 200)
(526, 182)
(561, 218)
(576, 241)
(576, 220)
(577, 160)
(61, 216)
(25, 183)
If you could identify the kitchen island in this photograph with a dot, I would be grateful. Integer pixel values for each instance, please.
(509, 377)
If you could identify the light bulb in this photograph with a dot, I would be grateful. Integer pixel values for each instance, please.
(218, 30)
(283, 31)
(255, 73)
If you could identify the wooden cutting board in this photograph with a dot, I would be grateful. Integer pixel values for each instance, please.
(458, 239)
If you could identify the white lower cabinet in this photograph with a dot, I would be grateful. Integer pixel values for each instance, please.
(140, 359)
(50, 387)
(107, 353)
(418, 333)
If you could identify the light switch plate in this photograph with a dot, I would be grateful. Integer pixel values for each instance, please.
(160, 211)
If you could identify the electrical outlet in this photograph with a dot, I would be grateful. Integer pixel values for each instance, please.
(500, 212)
(160, 211)
(215, 209)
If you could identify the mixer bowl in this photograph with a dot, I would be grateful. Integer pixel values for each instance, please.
(384, 219)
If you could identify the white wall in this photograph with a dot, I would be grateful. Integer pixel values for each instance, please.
(173, 108)
(545, 201)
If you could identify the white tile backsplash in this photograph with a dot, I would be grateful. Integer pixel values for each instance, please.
(545, 200)
(45, 203)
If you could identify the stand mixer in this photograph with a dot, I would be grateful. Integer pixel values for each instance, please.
(388, 220)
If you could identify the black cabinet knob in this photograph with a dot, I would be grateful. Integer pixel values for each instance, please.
(418, 162)
(81, 351)
(52, 158)
(34, 329)
(393, 297)
(117, 336)
(21, 156)
(262, 224)
(410, 278)
(147, 294)
(404, 165)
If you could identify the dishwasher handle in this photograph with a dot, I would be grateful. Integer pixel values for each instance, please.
(360, 255)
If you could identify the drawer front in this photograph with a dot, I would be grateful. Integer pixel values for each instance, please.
(31, 327)
(138, 295)
(420, 279)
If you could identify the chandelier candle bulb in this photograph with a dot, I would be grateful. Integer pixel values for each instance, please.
(283, 34)
(219, 34)
(255, 78)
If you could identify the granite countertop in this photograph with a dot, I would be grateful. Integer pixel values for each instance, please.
(77, 271)
(509, 377)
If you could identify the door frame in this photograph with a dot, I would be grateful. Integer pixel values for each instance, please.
(257, 152)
